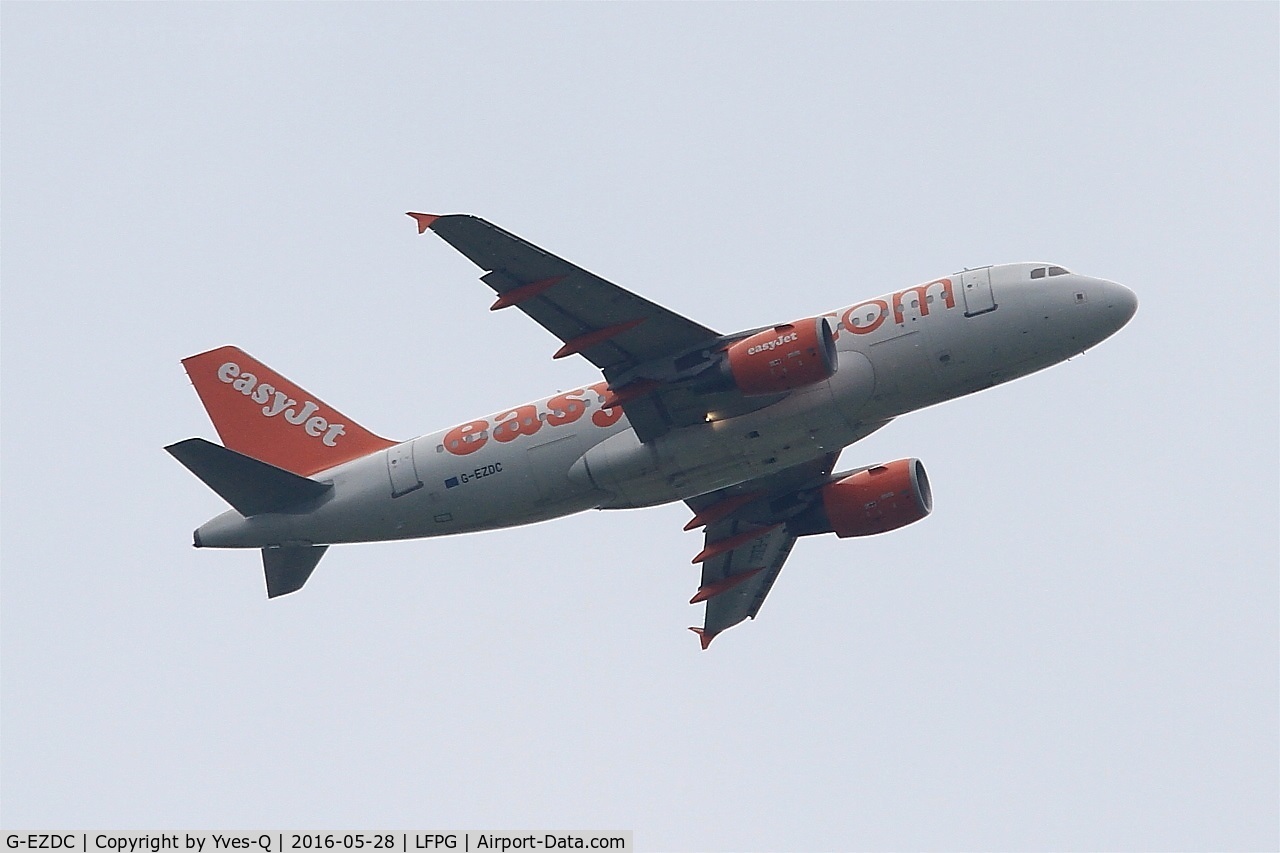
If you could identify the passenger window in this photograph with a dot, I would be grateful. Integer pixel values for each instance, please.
(1038, 273)
(1057, 271)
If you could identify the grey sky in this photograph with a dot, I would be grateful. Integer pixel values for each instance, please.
(1078, 650)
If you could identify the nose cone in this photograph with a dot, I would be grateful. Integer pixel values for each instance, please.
(1121, 303)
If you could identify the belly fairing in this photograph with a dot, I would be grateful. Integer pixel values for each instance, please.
(808, 424)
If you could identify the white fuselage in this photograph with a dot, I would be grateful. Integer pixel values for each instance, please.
(563, 454)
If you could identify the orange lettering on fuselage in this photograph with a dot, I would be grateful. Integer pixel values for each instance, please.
(558, 411)
(922, 295)
(609, 415)
(566, 408)
(878, 309)
(467, 438)
(854, 313)
(517, 422)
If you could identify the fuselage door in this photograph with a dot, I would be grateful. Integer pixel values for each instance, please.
(404, 474)
(978, 298)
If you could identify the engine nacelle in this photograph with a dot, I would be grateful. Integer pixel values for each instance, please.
(782, 358)
(879, 499)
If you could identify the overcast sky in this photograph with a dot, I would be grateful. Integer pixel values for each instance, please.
(1077, 650)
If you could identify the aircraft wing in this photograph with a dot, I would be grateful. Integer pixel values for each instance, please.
(747, 541)
(736, 582)
(641, 346)
(576, 306)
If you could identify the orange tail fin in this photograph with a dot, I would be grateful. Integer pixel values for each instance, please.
(259, 413)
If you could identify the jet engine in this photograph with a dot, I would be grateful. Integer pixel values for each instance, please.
(784, 357)
(878, 499)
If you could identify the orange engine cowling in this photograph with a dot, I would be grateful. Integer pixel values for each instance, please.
(782, 358)
(882, 498)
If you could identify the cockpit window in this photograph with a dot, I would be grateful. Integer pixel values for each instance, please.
(1038, 273)
(1057, 271)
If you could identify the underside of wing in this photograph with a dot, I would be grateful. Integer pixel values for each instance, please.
(610, 326)
(647, 352)
(747, 540)
(735, 582)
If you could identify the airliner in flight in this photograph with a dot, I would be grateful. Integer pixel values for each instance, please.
(745, 428)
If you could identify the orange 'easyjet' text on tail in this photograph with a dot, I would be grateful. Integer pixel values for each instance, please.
(259, 413)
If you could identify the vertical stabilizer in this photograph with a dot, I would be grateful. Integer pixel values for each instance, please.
(259, 413)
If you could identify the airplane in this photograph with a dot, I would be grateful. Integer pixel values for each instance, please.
(745, 428)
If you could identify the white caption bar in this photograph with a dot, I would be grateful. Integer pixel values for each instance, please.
(275, 841)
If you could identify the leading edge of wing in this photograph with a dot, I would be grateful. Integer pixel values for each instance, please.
(610, 326)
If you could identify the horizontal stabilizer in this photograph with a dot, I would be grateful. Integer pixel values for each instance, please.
(288, 566)
(250, 486)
